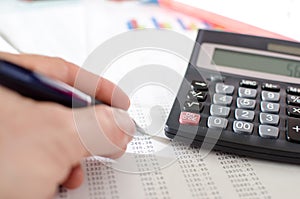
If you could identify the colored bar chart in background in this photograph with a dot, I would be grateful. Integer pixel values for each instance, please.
(133, 24)
(159, 25)
(176, 23)
(190, 26)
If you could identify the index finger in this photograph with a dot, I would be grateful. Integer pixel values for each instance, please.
(59, 69)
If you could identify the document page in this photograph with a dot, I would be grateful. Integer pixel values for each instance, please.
(155, 167)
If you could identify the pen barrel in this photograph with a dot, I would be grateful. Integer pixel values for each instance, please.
(42, 88)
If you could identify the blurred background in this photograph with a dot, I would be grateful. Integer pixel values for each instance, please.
(74, 28)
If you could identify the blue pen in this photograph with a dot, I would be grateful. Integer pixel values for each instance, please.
(39, 87)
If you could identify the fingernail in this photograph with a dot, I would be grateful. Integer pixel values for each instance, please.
(124, 121)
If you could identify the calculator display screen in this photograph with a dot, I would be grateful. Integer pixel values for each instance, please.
(255, 62)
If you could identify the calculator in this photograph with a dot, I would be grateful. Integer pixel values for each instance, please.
(246, 90)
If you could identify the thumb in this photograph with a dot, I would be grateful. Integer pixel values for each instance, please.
(103, 130)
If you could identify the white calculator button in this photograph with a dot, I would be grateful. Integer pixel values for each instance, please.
(270, 96)
(224, 88)
(245, 103)
(217, 122)
(247, 92)
(267, 131)
(241, 114)
(222, 99)
(242, 127)
(269, 107)
(217, 110)
(266, 118)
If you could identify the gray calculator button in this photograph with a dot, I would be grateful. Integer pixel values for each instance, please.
(269, 107)
(247, 92)
(217, 110)
(246, 115)
(266, 118)
(217, 122)
(216, 78)
(270, 96)
(266, 131)
(242, 127)
(222, 99)
(245, 103)
(224, 88)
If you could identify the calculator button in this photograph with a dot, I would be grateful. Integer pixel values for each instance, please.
(247, 92)
(246, 115)
(217, 110)
(248, 83)
(293, 133)
(224, 88)
(245, 103)
(270, 87)
(216, 78)
(192, 106)
(189, 118)
(199, 86)
(293, 90)
(293, 111)
(266, 131)
(270, 96)
(293, 100)
(197, 95)
(242, 127)
(269, 107)
(222, 99)
(217, 122)
(266, 118)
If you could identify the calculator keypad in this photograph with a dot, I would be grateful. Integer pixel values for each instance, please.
(243, 101)
(293, 111)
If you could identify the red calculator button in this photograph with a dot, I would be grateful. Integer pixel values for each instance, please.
(189, 118)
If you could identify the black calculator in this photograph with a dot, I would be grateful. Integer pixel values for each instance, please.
(240, 93)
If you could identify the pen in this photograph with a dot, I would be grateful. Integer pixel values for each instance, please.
(42, 88)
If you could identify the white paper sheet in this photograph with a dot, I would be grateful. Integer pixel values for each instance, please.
(47, 28)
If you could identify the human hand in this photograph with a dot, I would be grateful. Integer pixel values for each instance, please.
(40, 146)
